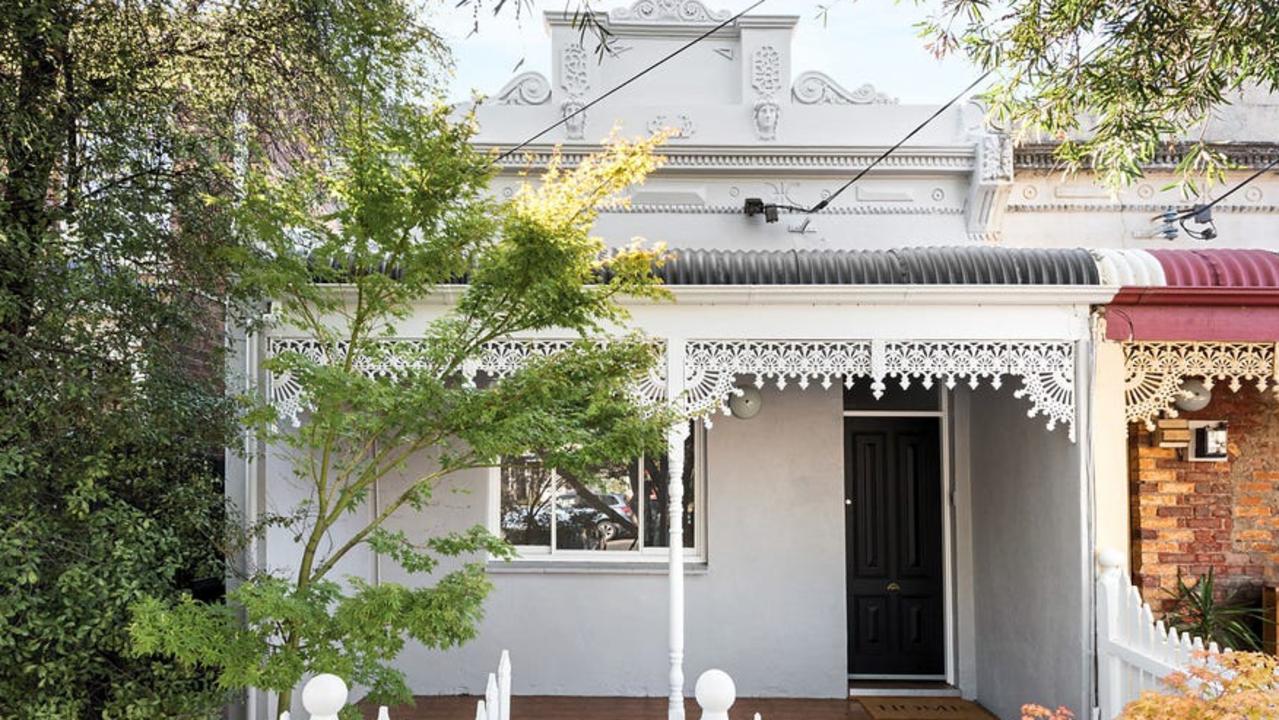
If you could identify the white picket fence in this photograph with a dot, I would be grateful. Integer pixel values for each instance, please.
(1134, 651)
(325, 695)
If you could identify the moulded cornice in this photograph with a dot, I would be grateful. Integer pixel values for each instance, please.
(1129, 207)
(746, 158)
(859, 209)
(1039, 156)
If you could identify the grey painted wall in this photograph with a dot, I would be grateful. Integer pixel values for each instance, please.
(769, 605)
(1028, 589)
(768, 608)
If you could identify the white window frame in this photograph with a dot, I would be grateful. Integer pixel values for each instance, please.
(645, 555)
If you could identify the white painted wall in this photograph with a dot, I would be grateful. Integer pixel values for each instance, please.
(1029, 593)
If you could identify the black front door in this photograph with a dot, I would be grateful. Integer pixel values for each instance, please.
(893, 535)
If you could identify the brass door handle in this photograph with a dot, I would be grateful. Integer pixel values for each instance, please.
(894, 587)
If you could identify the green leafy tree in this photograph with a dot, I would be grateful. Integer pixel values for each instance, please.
(1116, 82)
(121, 125)
(348, 241)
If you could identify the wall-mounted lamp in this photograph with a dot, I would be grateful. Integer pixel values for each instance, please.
(1195, 396)
(1211, 441)
(745, 404)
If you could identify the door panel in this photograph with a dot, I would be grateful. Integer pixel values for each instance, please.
(894, 546)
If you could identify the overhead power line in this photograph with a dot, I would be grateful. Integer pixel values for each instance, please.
(1201, 208)
(629, 80)
(882, 156)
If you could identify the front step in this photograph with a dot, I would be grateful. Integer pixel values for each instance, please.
(894, 688)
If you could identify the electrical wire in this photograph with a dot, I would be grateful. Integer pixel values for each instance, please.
(1186, 214)
(884, 155)
(629, 80)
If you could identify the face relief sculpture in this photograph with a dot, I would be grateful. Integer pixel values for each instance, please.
(767, 114)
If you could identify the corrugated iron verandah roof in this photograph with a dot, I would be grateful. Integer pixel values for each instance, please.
(898, 266)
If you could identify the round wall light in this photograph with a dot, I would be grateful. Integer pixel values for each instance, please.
(1195, 396)
(745, 404)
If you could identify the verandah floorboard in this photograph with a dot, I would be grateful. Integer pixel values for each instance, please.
(556, 707)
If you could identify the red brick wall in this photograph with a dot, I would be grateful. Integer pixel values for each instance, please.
(1196, 515)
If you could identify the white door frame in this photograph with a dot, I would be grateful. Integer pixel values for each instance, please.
(947, 528)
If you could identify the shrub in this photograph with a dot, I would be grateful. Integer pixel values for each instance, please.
(1221, 686)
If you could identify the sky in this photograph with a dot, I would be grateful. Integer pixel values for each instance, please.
(863, 41)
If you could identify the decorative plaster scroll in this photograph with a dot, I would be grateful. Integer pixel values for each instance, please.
(815, 88)
(679, 11)
(497, 359)
(990, 185)
(995, 158)
(680, 125)
(1154, 371)
(766, 70)
(574, 72)
(530, 88)
(1046, 369)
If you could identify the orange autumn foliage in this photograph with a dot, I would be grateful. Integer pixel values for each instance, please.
(1220, 686)
(1039, 712)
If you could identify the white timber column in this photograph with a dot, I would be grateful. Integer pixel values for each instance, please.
(675, 526)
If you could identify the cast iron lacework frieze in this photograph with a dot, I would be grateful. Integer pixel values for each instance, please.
(496, 359)
(1046, 369)
(1154, 372)
(711, 369)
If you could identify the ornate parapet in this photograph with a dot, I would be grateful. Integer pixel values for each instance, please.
(1154, 372)
(668, 11)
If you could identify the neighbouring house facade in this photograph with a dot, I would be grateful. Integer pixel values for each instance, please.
(910, 423)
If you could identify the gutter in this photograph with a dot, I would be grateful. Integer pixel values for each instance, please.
(1205, 296)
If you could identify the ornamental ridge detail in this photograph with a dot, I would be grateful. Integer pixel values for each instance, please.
(1046, 369)
(679, 11)
(496, 359)
(1154, 372)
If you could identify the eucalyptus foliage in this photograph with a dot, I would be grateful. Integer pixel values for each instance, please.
(348, 241)
(1115, 82)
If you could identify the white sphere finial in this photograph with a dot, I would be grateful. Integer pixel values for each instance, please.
(1110, 558)
(715, 693)
(324, 696)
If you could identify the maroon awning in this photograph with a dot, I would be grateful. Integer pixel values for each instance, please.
(1208, 295)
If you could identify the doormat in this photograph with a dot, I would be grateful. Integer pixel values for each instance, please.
(907, 708)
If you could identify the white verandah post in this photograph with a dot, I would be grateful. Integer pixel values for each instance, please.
(675, 527)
